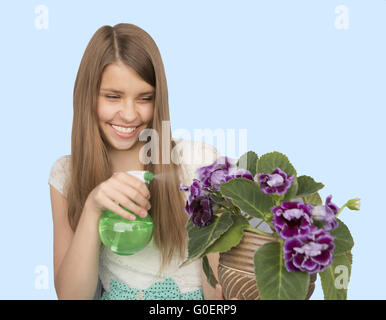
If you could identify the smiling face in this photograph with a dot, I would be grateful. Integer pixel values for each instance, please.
(125, 103)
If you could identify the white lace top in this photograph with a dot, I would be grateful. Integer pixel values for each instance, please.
(141, 269)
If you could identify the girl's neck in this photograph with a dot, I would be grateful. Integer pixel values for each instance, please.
(127, 160)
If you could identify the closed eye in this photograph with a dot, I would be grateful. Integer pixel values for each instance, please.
(112, 97)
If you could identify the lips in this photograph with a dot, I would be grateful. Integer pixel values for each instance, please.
(124, 135)
(123, 126)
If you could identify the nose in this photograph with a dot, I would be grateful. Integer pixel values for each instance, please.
(128, 111)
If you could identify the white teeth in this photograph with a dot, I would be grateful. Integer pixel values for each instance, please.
(123, 130)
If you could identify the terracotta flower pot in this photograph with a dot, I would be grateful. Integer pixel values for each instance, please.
(236, 269)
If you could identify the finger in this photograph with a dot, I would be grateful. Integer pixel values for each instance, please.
(219, 295)
(128, 203)
(113, 206)
(131, 193)
(120, 198)
(134, 182)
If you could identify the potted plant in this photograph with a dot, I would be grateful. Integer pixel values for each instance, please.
(305, 237)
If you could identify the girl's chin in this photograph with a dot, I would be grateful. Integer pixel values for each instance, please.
(122, 146)
(121, 141)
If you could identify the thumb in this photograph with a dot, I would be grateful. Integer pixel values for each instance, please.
(219, 295)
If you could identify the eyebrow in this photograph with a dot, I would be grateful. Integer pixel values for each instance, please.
(121, 92)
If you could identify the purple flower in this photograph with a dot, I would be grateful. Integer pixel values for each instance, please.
(240, 173)
(195, 190)
(292, 218)
(199, 204)
(311, 252)
(220, 171)
(331, 205)
(213, 175)
(327, 214)
(202, 212)
(278, 182)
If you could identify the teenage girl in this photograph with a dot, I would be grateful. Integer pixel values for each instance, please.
(120, 92)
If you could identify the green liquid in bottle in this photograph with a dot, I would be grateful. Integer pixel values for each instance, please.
(125, 237)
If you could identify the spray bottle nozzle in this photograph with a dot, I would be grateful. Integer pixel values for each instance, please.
(148, 176)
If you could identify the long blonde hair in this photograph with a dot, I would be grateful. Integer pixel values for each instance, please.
(90, 162)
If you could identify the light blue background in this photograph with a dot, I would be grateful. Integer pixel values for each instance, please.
(279, 69)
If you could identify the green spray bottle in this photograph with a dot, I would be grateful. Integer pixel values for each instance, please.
(122, 236)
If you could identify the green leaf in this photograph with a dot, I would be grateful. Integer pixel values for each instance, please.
(336, 277)
(248, 161)
(218, 200)
(313, 199)
(247, 196)
(342, 238)
(270, 161)
(231, 237)
(307, 185)
(209, 272)
(349, 257)
(273, 280)
(291, 192)
(201, 238)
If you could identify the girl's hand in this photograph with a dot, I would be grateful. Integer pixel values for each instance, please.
(124, 189)
(219, 295)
